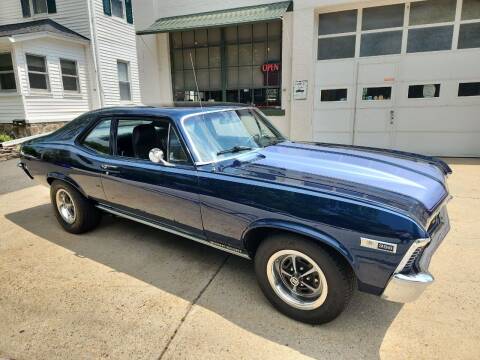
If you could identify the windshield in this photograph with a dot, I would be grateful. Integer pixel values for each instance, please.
(217, 135)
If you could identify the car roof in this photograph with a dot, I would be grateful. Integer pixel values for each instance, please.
(175, 111)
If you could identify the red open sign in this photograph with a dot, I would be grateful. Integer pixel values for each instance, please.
(270, 67)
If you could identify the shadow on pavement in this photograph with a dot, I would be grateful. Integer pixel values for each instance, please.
(163, 260)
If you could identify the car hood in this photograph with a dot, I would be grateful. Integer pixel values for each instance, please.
(410, 182)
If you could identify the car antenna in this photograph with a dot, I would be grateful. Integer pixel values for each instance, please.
(196, 83)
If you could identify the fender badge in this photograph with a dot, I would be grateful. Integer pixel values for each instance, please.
(378, 245)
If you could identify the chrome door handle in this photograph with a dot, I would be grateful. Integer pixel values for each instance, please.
(109, 167)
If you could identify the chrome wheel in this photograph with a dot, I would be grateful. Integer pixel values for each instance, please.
(65, 206)
(297, 279)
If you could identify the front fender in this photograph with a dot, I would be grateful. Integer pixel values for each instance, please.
(300, 229)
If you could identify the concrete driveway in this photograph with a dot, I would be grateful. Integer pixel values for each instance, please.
(126, 291)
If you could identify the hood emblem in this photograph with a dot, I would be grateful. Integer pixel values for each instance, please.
(378, 245)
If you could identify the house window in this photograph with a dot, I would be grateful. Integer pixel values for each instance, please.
(37, 72)
(377, 93)
(117, 8)
(424, 91)
(333, 95)
(69, 75)
(124, 81)
(469, 89)
(7, 74)
(236, 64)
(39, 7)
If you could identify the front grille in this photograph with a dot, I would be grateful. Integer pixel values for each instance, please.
(409, 266)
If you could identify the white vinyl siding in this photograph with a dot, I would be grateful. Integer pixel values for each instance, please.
(57, 104)
(70, 13)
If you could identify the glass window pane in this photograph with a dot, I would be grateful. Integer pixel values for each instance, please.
(258, 76)
(232, 95)
(469, 89)
(377, 93)
(202, 79)
(6, 62)
(244, 33)
(272, 97)
(471, 9)
(178, 80)
(432, 11)
(382, 43)
(188, 57)
(337, 22)
(245, 54)
(36, 63)
(333, 95)
(201, 37)
(7, 81)
(215, 79)
(189, 80)
(246, 96)
(336, 48)
(259, 97)
(231, 34)
(125, 92)
(275, 30)
(117, 8)
(423, 91)
(40, 6)
(259, 53)
(232, 78)
(430, 39)
(122, 71)
(274, 51)
(38, 81)
(214, 36)
(70, 83)
(232, 55)
(99, 138)
(244, 76)
(69, 67)
(469, 36)
(188, 38)
(201, 58)
(176, 39)
(214, 54)
(176, 153)
(178, 59)
(259, 32)
(381, 17)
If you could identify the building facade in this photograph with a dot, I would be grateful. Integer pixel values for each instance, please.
(60, 58)
(394, 74)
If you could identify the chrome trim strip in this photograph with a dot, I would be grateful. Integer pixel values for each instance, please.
(179, 233)
(419, 243)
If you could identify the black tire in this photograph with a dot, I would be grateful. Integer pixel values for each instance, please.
(337, 273)
(86, 215)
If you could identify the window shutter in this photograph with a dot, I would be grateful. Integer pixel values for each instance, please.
(129, 11)
(25, 8)
(107, 7)
(51, 6)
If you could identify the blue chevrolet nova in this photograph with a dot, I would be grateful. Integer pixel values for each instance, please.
(319, 220)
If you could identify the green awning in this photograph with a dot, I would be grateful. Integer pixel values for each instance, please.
(219, 18)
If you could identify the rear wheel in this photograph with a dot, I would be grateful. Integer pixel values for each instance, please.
(73, 211)
(303, 280)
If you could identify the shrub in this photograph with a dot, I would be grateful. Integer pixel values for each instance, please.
(5, 137)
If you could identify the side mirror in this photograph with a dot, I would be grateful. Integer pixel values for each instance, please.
(156, 156)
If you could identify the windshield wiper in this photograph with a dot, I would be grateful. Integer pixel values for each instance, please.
(234, 149)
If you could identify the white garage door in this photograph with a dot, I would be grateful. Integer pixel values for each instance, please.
(403, 76)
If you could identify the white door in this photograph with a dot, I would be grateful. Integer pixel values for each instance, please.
(374, 118)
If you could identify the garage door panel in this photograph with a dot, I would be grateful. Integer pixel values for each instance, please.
(371, 120)
(333, 120)
(333, 137)
(373, 139)
(423, 67)
(336, 72)
(439, 144)
(445, 118)
(376, 73)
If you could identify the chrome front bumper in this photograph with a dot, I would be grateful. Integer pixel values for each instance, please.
(405, 288)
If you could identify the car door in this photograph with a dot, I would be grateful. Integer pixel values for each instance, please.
(162, 193)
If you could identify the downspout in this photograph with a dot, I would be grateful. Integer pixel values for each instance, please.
(94, 48)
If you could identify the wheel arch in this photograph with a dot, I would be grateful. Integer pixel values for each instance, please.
(51, 177)
(258, 231)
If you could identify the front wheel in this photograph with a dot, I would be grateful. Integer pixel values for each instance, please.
(302, 279)
(73, 211)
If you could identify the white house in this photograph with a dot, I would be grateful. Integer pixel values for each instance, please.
(60, 58)
(386, 73)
